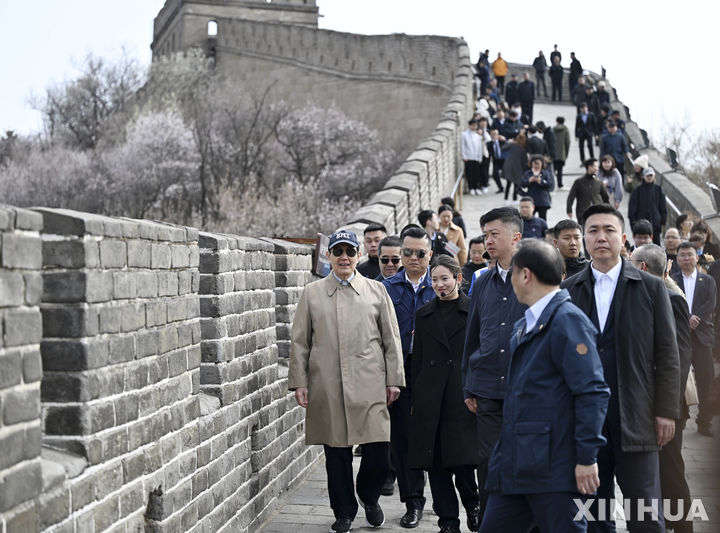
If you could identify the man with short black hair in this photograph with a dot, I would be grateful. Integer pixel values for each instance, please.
(471, 151)
(494, 309)
(546, 458)
(409, 290)
(568, 240)
(540, 65)
(642, 370)
(533, 227)
(389, 254)
(613, 143)
(372, 235)
(526, 97)
(575, 71)
(430, 222)
(588, 190)
(511, 91)
(701, 294)
(585, 130)
(642, 232)
(671, 242)
(476, 261)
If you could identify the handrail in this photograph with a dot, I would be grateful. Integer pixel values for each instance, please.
(458, 187)
(673, 207)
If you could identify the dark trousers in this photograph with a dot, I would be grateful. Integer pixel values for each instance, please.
(702, 362)
(541, 212)
(581, 145)
(673, 483)
(445, 503)
(508, 183)
(540, 77)
(527, 111)
(411, 482)
(489, 417)
(500, 83)
(553, 512)
(497, 166)
(558, 172)
(638, 474)
(557, 91)
(473, 171)
(370, 478)
(485, 172)
(657, 234)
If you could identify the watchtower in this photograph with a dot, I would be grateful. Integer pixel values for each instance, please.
(182, 24)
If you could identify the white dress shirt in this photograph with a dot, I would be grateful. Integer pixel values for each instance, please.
(415, 286)
(533, 312)
(604, 290)
(689, 285)
(503, 273)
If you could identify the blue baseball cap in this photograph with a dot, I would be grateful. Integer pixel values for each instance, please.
(343, 236)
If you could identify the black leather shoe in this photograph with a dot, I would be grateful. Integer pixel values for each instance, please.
(451, 529)
(411, 519)
(473, 518)
(388, 488)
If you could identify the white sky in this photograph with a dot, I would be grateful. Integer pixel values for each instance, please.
(658, 54)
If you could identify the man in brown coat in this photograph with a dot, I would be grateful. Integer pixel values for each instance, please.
(346, 367)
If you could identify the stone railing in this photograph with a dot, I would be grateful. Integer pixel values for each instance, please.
(429, 172)
(139, 380)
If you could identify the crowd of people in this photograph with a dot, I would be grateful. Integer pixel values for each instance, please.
(524, 369)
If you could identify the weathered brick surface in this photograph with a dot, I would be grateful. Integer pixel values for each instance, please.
(20, 373)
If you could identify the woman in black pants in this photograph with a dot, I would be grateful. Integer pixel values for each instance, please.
(443, 434)
(539, 182)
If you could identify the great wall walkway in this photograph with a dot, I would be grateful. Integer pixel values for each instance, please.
(307, 508)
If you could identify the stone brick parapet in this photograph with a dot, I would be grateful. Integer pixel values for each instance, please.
(20, 366)
(161, 406)
(430, 171)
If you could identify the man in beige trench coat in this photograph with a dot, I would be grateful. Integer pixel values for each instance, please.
(346, 367)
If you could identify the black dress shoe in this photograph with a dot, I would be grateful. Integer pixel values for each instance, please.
(411, 519)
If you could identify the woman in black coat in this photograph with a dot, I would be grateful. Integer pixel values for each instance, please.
(539, 182)
(443, 433)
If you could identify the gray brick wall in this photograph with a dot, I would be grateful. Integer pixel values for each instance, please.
(162, 405)
(20, 368)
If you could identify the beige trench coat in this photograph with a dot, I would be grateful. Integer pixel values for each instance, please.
(346, 350)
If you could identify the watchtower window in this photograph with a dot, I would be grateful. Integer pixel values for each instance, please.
(212, 28)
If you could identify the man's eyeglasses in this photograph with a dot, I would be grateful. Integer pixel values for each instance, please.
(408, 252)
(337, 251)
(386, 260)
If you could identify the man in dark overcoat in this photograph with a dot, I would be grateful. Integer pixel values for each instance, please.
(638, 348)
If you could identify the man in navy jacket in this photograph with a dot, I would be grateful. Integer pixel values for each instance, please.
(493, 311)
(554, 408)
(409, 289)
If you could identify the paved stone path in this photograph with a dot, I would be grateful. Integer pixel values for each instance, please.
(307, 509)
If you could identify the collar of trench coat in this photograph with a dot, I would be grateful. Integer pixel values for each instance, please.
(332, 284)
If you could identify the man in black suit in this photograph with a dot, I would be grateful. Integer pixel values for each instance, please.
(638, 349)
(511, 91)
(584, 130)
(701, 293)
(526, 97)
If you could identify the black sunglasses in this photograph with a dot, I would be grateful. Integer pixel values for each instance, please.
(407, 252)
(337, 251)
(386, 260)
